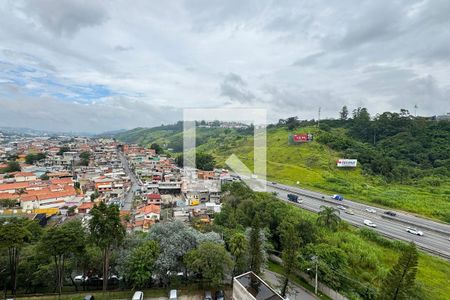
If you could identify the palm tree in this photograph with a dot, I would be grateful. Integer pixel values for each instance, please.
(238, 246)
(329, 217)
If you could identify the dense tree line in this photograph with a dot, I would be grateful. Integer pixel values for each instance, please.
(32, 158)
(250, 227)
(48, 259)
(203, 161)
(297, 237)
(11, 166)
(397, 146)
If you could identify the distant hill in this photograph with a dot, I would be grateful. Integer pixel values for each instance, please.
(404, 162)
(22, 131)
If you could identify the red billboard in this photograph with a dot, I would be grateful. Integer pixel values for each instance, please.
(301, 138)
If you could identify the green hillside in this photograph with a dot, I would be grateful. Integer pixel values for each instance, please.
(314, 166)
(404, 162)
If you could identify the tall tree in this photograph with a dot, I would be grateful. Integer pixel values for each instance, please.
(12, 166)
(157, 148)
(344, 113)
(140, 264)
(175, 240)
(399, 283)
(60, 242)
(329, 217)
(85, 157)
(361, 126)
(14, 234)
(107, 232)
(256, 247)
(238, 246)
(211, 260)
(290, 242)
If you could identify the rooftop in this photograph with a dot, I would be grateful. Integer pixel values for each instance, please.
(257, 287)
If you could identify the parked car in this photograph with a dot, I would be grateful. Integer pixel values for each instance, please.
(414, 231)
(173, 295)
(208, 295)
(341, 207)
(350, 212)
(369, 223)
(337, 197)
(94, 281)
(220, 295)
(371, 210)
(390, 213)
(138, 296)
(80, 278)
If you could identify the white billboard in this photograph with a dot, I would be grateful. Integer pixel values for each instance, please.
(350, 163)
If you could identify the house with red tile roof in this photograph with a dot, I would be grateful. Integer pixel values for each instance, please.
(13, 187)
(143, 225)
(149, 212)
(153, 199)
(64, 181)
(24, 176)
(85, 207)
(47, 199)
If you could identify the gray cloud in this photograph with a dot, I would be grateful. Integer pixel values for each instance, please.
(123, 48)
(83, 117)
(235, 88)
(288, 56)
(66, 17)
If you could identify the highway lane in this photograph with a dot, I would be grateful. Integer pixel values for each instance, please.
(401, 216)
(435, 242)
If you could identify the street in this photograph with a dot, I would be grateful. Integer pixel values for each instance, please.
(128, 201)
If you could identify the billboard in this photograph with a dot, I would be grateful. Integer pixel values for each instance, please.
(349, 163)
(302, 138)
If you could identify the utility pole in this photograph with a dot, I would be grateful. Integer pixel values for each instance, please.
(415, 110)
(316, 260)
(318, 121)
(315, 287)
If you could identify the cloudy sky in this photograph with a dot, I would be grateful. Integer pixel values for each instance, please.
(106, 65)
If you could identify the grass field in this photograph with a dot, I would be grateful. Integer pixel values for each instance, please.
(314, 166)
(371, 256)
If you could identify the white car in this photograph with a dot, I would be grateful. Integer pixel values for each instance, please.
(173, 295)
(369, 223)
(80, 278)
(350, 212)
(414, 231)
(138, 296)
(341, 207)
(371, 210)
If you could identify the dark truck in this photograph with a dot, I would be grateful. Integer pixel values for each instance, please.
(292, 197)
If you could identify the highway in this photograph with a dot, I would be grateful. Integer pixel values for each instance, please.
(435, 239)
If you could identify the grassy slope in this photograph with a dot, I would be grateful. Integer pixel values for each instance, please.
(433, 274)
(314, 166)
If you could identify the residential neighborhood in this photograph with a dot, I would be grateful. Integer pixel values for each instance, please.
(224, 150)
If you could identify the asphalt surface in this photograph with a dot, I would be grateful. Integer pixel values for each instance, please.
(128, 200)
(435, 239)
